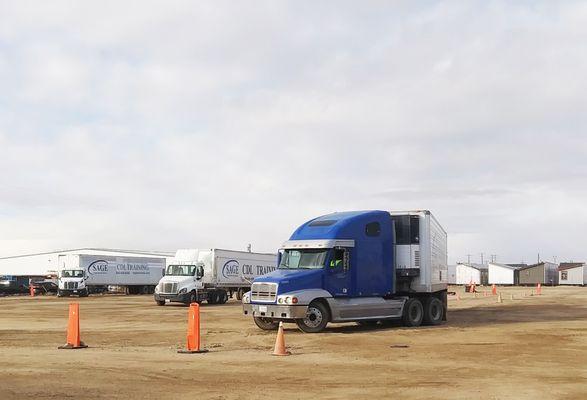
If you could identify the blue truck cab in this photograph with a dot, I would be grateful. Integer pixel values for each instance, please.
(360, 266)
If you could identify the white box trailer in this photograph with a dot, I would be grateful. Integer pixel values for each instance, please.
(84, 274)
(213, 275)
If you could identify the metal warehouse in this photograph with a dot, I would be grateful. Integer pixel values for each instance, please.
(572, 274)
(545, 273)
(42, 264)
(504, 274)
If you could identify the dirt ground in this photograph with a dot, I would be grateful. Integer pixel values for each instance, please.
(526, 348)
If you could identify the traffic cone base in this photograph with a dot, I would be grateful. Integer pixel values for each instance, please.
(279, 349)
(68, 346)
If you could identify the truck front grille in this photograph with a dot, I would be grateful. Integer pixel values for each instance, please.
(71, 285)
(264, 292)
(170, 288)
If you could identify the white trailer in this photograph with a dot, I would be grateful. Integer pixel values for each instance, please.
(503, 274)
(85, 274)
(213, 275)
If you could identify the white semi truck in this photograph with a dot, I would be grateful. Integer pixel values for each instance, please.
(213, 275)
(84, 274)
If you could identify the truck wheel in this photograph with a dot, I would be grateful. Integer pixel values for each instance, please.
(193, 298)
(85, 293)
(317, 317)
(433, 311)
(267, 324)
(222, 297)
(212, 298)
(413, 312)
(160, 302)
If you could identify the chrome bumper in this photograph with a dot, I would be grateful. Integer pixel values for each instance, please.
(275, 311)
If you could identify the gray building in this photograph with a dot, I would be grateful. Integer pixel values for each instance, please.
(545, 273)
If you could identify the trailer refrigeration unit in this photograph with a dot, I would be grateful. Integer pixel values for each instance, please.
(84, 274)
(195, 275)
(363, 266)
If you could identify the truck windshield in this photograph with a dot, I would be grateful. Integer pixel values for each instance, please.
(72, 273)
(303, 259)
(180, 270)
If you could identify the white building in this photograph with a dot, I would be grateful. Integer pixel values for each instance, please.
(469, 273)
(42, 264)
(572, 274)
(504, 274)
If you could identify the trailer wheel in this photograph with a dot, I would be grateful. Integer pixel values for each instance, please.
(317, 317)
(267, 324)
(433, 311)
(222, 297)
(413, 312)
(212, 298)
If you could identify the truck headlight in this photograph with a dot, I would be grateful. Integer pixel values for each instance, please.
(247, 298)
(287, 300)
(182, 291)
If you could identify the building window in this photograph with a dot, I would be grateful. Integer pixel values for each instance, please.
(564, 275)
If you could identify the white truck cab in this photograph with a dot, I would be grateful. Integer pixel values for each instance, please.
(72, 281)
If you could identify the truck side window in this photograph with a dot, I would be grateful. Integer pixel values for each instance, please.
(337, 258)
(373, 229)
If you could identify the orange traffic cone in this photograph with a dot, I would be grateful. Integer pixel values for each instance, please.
(485, 293)
(473, 288)
(493, 289)
(73, 335)
(31, 290)
(538, 289)
(279, 349)
(193, 331)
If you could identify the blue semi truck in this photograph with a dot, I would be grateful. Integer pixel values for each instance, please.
(361, 266)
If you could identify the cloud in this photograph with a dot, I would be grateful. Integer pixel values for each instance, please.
(151, 125)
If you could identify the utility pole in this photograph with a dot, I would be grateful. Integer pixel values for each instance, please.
(469, 259)
(493, 258)
(481, 258)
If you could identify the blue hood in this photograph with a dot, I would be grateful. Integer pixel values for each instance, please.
(290, 280)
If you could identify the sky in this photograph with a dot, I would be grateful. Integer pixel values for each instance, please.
(162, 125)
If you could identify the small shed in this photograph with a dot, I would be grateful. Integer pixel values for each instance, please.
(545, 273)
(504, 274)
(466, 273)
(572, 274)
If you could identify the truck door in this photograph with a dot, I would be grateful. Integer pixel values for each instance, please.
(337, 278)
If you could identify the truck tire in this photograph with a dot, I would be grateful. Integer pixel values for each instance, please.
(193, 298)
(212, 298)
(222, 297)
(84, 293)
(267, 324)
(160, 302)
(317, 317)
(433, 311)
(413, 312)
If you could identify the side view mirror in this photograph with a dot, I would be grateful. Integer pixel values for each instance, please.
(199, 272)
